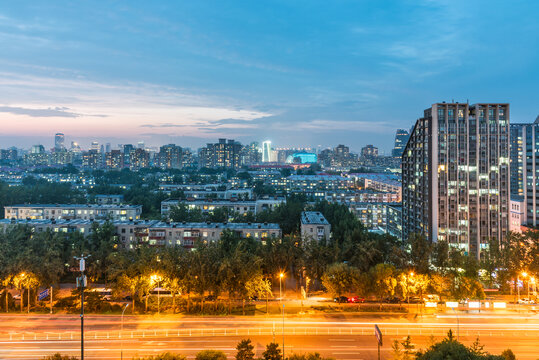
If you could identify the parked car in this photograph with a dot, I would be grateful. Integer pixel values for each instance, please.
(340, 299)
(356, 300)
(526, 301)
(392, 300)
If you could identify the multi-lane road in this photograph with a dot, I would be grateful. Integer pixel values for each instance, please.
(341, 337)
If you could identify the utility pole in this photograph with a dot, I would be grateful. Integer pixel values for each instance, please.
(81, 283)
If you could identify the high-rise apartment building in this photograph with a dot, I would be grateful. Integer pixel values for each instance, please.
(140, 159)
(59, 142)
(266, 151)
(225, 154)
(455, 175)
(170, 157)
(401, 138)
(369, 151)
(250, 154)
(524, 154)
(114, 159)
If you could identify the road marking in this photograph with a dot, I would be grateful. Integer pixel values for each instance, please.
(341, 339)
(343, 347)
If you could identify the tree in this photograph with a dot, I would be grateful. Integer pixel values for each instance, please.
(440, 285)
(340, 279)
(408, 348)
(449, 348)
(260, 287)
(211, 355)
(272, 352)
(245, 350)
(420, 251)
(384, 281)
(508, 355)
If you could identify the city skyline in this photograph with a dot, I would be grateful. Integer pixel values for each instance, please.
(338, 74)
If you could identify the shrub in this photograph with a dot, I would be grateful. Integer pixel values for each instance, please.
(59, 356)
(164, 356)
(211, 355)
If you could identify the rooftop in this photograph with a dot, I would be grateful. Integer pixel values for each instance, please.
(313, 217)
(88, 206)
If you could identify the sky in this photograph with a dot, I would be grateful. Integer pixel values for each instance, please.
(298, 73)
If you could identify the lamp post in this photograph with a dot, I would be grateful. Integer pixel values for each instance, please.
(157, 278)
(518, 290)
(22, 275)
(458, 324)
(81, 283)
(524, 276)
(122, 333)
(281, 275)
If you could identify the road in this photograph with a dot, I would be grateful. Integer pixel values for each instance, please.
(341, 337)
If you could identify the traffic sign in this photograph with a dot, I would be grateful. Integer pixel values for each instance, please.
(378, 334)
(42, 295)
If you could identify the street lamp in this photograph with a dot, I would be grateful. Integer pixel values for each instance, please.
(157, 278)
(458, 324)
(525, 275)
(121, 334)
(281, 276)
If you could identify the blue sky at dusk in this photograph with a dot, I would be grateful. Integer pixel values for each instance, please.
(295, 72)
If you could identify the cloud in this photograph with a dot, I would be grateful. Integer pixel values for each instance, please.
(49, 112)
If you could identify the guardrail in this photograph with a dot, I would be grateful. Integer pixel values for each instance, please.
(266, 331)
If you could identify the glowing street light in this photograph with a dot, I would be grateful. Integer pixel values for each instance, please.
(157, 278)
(281, 276)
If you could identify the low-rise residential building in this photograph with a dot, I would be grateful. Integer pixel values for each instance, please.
(517, 213)
(73, 211)
(313, 182)
(109, 199)
(314, 226)
(371, 215)
(246, 194)
(238, 206)
(153, 232)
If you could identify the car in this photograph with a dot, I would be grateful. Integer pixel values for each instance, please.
(340, 299)
(526, 301)
(210, 298)
(392, 300)
(356, 300)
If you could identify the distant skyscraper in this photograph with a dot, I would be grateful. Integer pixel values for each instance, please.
(369, 151)
(140, 145)
(225, 154)
(525, 167)
(170, 157)
(38, 149)
(266, 151)
(107, 148)
(94, 146)
(59, 142)
(401, 138)
(455, 175)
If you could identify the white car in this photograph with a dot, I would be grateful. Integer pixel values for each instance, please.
(526, 301)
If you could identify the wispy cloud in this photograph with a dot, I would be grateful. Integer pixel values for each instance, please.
(49, 112)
